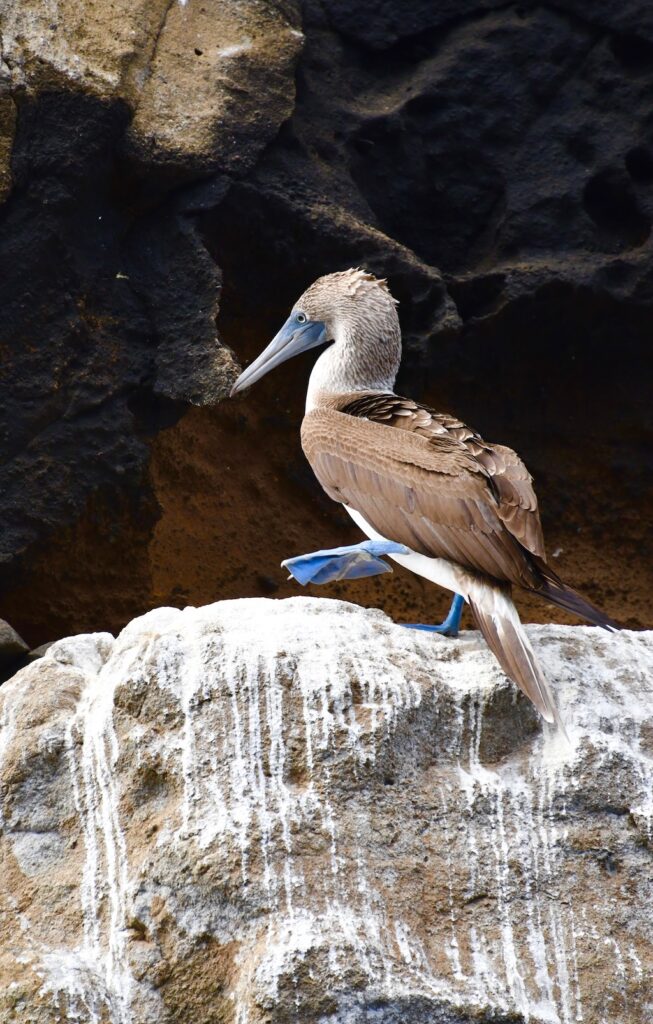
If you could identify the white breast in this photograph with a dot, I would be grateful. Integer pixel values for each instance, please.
(445, 574)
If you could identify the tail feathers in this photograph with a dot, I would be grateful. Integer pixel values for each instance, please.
(499, 622)
(554, 590)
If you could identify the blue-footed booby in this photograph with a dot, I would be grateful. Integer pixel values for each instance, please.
(458, 510)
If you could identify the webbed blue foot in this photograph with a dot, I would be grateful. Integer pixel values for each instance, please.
(346, 563)
(451, 624)
(354, 561)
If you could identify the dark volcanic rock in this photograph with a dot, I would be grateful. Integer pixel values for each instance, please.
(12, 650)
(92, 293)
(493, 161)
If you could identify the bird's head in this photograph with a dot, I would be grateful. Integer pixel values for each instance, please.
(351, 308)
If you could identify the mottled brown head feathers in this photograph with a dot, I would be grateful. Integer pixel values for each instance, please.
(360, 317)
(346, 292)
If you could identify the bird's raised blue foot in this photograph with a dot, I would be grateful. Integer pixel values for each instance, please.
(346, 563)
(451, 624)
(355, 561)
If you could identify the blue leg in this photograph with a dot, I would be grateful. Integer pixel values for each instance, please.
(451, 624)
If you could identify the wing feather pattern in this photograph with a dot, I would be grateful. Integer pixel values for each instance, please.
(487, 519)
(512, 483)
(429, 492)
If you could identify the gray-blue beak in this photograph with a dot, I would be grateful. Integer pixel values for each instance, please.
(294, 337)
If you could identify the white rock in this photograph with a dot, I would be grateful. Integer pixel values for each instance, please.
(299, 811)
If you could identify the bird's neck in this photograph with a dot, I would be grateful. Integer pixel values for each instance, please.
(356, 362)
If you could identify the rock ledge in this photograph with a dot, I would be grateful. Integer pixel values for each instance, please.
(299, 811)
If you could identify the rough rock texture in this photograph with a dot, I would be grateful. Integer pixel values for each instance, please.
(169, 162)
(12, 649)
(109, 296)
(297, 811)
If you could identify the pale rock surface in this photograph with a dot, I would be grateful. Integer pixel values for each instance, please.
(208, 83)
(219, 85)
(286, 811)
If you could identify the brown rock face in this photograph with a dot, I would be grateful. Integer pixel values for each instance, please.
(176, 173)
(275, 811)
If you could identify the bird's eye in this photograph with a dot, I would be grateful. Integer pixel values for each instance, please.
(301, 318)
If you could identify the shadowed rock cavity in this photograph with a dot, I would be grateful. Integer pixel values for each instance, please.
(493, 162)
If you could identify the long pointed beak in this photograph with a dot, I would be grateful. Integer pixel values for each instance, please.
(292, 339)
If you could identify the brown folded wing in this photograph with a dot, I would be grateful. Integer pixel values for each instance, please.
(511, 481)
(419, 485)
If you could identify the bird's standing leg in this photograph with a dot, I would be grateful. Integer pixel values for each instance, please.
(451, 624)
